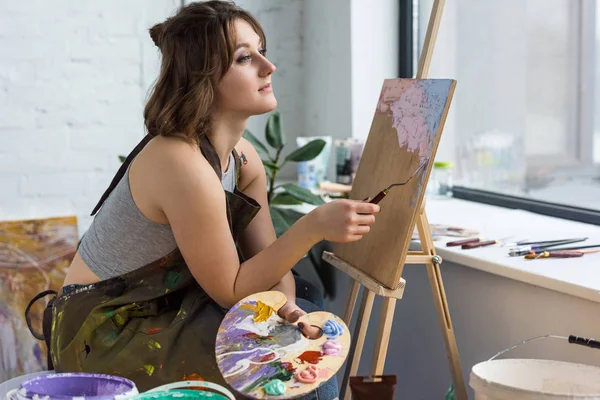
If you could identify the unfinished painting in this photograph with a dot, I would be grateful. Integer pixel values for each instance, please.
(262, 356)
(34, 256)
(400, 149)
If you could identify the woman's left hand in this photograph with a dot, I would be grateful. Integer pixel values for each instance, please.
(291, 313)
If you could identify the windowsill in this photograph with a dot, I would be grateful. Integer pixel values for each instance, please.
(578, 277)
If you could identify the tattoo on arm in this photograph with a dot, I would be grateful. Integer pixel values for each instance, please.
(243, 158)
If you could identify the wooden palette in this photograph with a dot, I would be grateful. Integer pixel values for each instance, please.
(262, 356)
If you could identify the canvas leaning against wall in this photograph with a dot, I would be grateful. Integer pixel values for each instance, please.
(34, 256)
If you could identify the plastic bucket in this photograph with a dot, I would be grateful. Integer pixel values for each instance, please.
(181, 391)
(74, 386)
(180, 395)
(530, 379)
(15, 382)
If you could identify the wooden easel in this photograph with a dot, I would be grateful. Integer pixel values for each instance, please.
(373, 287)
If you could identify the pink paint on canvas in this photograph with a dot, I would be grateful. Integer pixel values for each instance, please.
(416, 108)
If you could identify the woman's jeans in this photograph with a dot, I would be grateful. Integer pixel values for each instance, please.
(309, 299)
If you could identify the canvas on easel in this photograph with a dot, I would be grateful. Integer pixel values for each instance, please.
(402, 142)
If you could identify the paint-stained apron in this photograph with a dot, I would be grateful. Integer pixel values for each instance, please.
(154, 325)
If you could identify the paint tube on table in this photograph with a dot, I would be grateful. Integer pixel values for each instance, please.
(348, 153)
(356, 150)
(343, 170)
(373, 387)
(313, 172)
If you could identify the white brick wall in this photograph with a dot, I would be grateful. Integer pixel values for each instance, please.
(73, 79)
(282, 21)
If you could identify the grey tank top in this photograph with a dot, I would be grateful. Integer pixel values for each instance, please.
(121, 239)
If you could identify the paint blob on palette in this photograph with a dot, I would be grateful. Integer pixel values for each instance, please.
(262, 356)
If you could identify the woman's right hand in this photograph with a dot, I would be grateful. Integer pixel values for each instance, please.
(343, 221)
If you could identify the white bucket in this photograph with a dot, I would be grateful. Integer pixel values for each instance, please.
(525, 379)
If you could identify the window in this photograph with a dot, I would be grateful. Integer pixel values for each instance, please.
(525, 118)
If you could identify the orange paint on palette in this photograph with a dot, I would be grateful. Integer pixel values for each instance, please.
(311, 357)
(153, 331)
(289, 367)
(193, 377)
(268, 357)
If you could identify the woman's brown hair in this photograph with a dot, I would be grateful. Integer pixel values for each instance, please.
(197, 46)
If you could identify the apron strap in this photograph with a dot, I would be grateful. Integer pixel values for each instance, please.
(121, 171)
(206, 148)
(210, 153)
(237, 167)
(46, 322)
(39, 296)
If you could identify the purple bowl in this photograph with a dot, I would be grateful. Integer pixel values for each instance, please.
(76, 386)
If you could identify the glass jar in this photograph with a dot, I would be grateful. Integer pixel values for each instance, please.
(440, 182)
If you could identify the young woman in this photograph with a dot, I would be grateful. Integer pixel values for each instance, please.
(184, 231)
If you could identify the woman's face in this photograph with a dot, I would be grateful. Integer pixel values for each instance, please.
(246, 87)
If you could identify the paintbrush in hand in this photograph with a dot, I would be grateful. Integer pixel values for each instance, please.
(379, 196)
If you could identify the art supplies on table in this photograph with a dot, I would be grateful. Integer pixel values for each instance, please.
(540, 242)
(439, 231)
(456, 243)
(313, 172)
(480, 243)
(528, 247)
(474, 243)
(440, 182)
(356, 150)
(347, 157)
(566, 252)
(555, 254)
(261, 355)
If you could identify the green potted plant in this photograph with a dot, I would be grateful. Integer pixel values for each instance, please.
(282, 196)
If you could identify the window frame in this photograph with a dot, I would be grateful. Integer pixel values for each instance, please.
(586, 83)
(584, 115)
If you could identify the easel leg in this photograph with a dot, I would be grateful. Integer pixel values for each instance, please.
(351, 303)
(437, 288)
(383, 335)
(358, 340)
(441, 305)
